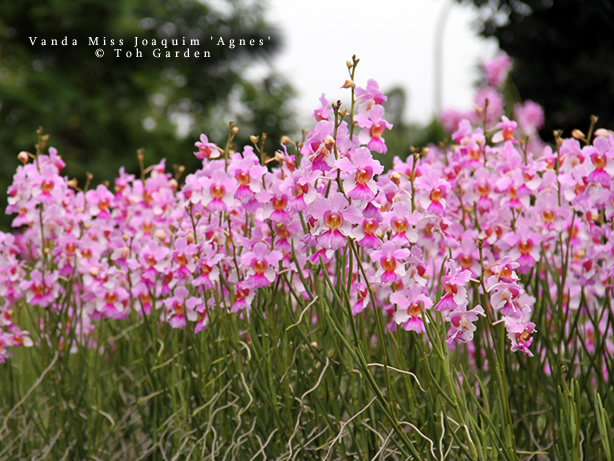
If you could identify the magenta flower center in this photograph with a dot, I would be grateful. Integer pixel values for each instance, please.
(436, 194)
(217, 191)
(369, 226)
(389, 264)
(146, 298)
(205, 269)
(333, 220)
(548, 215)
(299, 190)
(110, 298)
(279, 203)
(465, 261)
(377, 130)
(475, 153)
(47, 186)
(38, 290)
(364, 174)
(414, 309)
(449, 288)
(181, 259)
(525, 246)
(259, 266)
(523, 336)
(505, 272)
(482, 189)
(399, 225)
(599, 160)
(204, 149)
(242, 177)
(283, 232)
(103, 205)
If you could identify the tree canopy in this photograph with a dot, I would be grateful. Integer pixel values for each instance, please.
(99, 111)
(563, 54)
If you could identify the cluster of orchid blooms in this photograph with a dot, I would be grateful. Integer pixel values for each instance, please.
(447, 229)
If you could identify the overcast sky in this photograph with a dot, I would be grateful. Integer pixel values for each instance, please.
(395, 41)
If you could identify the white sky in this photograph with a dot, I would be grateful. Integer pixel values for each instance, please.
(394, 40)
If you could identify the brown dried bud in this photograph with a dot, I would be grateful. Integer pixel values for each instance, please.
(395, 178)
(234, 130)
(348, 84)
(286, 140)
(254, 139)
(72, 183)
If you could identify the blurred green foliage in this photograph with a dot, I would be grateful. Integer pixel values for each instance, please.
(99, 111)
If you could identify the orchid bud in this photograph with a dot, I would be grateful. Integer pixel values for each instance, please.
(395, 178)
(602, 132)
(23, 157)
(577, 134)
